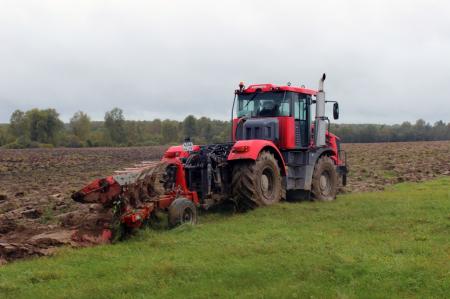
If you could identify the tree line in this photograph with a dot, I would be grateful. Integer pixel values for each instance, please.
(44, 128)
(366, 133)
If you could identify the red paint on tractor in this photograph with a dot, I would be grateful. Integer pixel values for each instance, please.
(332, 141)
(287, 131)
(253, 149)
(272, 87)
(181, 188)
(177, 151)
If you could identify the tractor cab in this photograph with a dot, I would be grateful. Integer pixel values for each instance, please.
(280, 114)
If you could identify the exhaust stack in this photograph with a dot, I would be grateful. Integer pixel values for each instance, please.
(320, 122)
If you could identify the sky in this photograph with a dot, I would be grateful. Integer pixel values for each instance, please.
(386, 61)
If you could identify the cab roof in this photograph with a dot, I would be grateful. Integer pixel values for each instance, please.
(272, 87)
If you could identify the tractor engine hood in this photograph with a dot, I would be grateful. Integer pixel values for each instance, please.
(258, 128)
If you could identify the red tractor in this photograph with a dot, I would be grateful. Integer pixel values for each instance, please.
(277, 151)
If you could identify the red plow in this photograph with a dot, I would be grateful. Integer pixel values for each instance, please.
(130, 197)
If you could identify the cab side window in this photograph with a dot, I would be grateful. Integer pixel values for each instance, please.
(283, 109)
(296, 109)
(300, 108)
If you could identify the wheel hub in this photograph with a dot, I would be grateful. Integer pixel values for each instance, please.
(187, 216)
(324, 183)
(267, 178)
(264, 183)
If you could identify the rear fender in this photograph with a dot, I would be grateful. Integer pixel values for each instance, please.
(177, 151)
(332, 141)
(250, 149)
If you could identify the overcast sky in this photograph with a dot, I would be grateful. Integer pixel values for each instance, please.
(386, 61)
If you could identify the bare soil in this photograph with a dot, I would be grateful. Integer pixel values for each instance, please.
(37, 214)
(36, 211)
(373, 166)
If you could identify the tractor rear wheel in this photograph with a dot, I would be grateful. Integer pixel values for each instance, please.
(325, 180)
(182, 211)
(257, 183)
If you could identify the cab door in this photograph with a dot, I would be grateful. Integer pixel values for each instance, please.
(301, 116)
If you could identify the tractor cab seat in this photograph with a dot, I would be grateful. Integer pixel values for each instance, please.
(268, 109)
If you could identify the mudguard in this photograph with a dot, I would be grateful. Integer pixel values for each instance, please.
(250, 149)
(177, 151)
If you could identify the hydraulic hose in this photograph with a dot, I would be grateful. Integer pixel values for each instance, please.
(232, 111)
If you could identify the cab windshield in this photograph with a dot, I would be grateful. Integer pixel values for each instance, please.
(263, 104)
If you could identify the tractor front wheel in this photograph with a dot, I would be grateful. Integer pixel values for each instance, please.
(325, 180)
(182, 211)
(257, 183)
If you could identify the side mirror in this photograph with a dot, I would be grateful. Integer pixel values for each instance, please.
(336, 111)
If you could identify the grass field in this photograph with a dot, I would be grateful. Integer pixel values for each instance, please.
(394, 243)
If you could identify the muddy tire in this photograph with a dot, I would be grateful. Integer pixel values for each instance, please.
(257, 183)
(325, 180)
(182, 211)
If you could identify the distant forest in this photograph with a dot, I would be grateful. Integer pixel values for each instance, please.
(43, 128)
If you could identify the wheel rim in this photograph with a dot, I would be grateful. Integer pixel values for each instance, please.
(188, 216)
(267, 179)
(325, 183)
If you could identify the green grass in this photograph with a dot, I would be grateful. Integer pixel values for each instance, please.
(394, 244)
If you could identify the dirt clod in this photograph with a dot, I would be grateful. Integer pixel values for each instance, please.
(7, 225)
(52, 239)
(32, 213)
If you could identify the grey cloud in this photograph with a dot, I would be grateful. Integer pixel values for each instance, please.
(387, 61)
